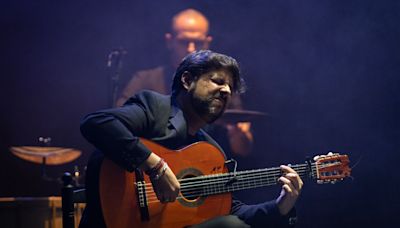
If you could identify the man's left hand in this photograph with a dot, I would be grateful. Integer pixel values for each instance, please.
(291, 188)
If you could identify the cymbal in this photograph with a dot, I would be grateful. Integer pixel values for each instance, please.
(241, 115)
(52, 155)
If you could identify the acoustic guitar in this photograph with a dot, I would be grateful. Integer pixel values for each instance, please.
(128, 199)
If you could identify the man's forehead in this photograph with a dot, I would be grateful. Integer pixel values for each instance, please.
(222, 73)
(190, 24)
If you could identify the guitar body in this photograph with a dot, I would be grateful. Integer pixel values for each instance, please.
(128, 202)
(119, 199)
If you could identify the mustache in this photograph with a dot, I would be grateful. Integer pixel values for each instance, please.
(219, 96)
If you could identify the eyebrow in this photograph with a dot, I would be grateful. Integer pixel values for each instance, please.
(226, 79)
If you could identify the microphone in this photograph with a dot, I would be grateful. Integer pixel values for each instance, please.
(115, 56)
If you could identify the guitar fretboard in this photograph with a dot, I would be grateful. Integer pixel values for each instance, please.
(234, 181)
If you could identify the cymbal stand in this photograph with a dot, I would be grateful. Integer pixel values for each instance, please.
(45, 141)
(78, 176)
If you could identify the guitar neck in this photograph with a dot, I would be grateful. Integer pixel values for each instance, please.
(234, 181)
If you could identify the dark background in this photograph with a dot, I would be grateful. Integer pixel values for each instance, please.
(326, 72)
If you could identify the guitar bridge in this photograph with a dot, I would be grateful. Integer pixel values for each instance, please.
(141, 193)
(141, 196)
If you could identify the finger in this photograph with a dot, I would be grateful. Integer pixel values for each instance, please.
(295, 179)
(293, 175)
(288, 186)
(162, 199)
(286, 181)
(158, 194)
(171, 195)
(172, 198)
(287, 169)
(168, 199)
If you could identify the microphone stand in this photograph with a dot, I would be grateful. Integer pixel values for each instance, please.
(114, 60)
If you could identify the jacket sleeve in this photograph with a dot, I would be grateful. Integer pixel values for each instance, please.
(263, 215)
(116, 133)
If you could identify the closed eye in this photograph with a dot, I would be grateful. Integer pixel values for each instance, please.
(218, 81)
(221, 82)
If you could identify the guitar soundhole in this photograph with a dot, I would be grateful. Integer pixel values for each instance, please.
(192, 192)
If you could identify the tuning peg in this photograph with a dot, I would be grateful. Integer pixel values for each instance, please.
(317, 157)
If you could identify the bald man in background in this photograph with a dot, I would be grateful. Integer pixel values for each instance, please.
(189, 32)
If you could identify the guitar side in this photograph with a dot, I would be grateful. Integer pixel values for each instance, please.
(118, 193)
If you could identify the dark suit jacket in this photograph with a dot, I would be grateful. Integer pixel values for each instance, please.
(115, 132)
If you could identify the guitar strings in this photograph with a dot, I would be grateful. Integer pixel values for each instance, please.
(193, 188)
(222, 179)
(253, 181)
(238, 185)
(204, 177)
(242, 178)
(241, 186)
(216, 177)
(216, 191)
(271, 170)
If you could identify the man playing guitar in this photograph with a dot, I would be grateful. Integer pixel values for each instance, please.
(202, 86)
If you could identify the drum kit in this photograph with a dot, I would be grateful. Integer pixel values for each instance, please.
(47, 155)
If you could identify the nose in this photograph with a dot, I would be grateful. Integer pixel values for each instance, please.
(191, 47)
(226, 89)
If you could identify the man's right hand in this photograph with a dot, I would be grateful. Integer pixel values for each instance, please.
(166, 187)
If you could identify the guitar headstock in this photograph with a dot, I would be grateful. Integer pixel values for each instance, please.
(331, 168)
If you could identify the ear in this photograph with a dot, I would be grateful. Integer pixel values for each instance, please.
(207, 42)
(186, 80)
(168, 40)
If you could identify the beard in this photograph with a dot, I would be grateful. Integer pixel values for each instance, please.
(209, 108)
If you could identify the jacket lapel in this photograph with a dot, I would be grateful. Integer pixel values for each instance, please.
(178, 121)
